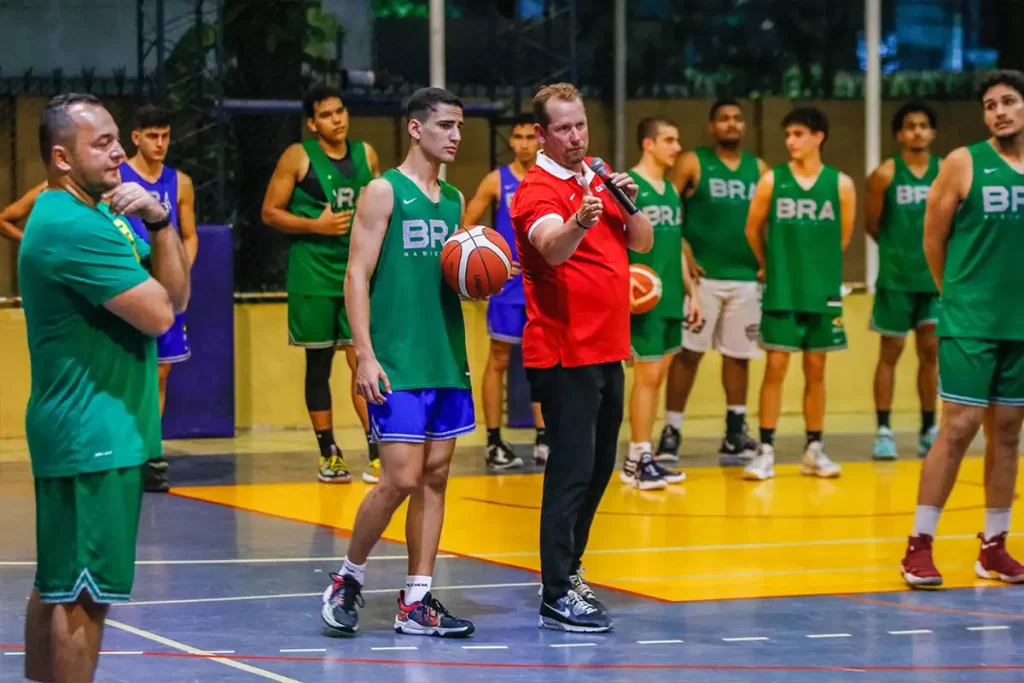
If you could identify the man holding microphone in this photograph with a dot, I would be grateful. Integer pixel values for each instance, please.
(572, 230)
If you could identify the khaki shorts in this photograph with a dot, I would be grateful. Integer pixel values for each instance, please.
(732, 319)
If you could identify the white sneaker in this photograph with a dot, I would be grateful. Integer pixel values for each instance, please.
(763, 465)
(817, 464)
(541, 451)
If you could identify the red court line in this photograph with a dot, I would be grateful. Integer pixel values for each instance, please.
(530, 665)
(926, 608)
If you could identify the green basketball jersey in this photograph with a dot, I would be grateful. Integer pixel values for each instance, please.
(804, 250)
(901, 262)
(316, 263)
(716, 217)
(416, 324)
(665, 257)
(983, 274)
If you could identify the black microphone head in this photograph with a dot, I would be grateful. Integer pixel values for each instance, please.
(598, 167)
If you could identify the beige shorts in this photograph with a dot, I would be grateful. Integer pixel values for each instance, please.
(732, 319)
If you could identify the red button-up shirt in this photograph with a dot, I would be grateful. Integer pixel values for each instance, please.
(577, 313)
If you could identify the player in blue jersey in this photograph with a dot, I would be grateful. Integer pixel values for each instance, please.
(506, 311)
(151, 136)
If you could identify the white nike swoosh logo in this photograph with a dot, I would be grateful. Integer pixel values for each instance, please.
(572, 196)
(408, 201)
(990, 170)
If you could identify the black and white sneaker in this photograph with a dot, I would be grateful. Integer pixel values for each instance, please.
(669, 475)
(573, 613)
(668, 445)
(583, 589)
(339, 610)
(737, 450)
(501, 457)
(642, 474)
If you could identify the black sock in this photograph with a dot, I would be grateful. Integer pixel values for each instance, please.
(542, 436)
(494, 437)
(927, 420)
(734, 422)
(325, 439)
(813, 436)
(371, 444)
(768, 436)
(883, 418)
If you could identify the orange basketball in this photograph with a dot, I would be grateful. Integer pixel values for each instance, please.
(644, 288)
(476, 262)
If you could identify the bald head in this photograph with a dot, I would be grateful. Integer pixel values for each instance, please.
(78, 139)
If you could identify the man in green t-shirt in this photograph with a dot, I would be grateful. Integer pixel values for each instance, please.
(800, 222)
(973, 239)
(92, 313)
(311, 198)
(410, 341)
(657, 335)
(905, 295)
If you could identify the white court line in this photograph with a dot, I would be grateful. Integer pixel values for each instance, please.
(912, 632)
(561, 645)
(988, 628)
(658, 642)
(120, 652)
(278, 596)
(220, 652)
(14, 654)
(829, 635)
(307, 649)
(748, 639)
(485, 647)
(243, 560)
(394, 647)
(148, 635)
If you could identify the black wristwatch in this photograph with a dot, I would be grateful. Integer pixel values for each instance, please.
(159, 225)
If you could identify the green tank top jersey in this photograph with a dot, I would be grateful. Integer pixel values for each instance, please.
(416, 325)
(983, 277)
(804, 250)
(665, 257)
(901, 262)
(316, 263)
(715, 217)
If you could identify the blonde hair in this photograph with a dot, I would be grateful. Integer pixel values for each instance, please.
(556, 91)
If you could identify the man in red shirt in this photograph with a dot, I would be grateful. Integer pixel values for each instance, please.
(571, 236)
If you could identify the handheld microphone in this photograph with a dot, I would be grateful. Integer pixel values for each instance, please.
(598, 167)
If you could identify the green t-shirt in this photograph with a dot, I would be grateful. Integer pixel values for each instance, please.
(94, 404)
(665, 257)
(901, 262)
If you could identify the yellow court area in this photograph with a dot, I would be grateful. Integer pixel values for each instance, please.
(714, 537)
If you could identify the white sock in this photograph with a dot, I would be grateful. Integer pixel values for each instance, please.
(356, 571)
(737, 410)
(997, 521)
(674, 419)
(636, 450)
(416, 588)
(926, 520)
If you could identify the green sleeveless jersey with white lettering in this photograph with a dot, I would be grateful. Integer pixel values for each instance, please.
(804, 250)
(715, 217)
(983, 279)
(901, 262)
(316, 263)
(416, 325)
(665, 257)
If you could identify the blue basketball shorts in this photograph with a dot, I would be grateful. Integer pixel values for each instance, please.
(505, 321)
(172, 346)
(416, 415)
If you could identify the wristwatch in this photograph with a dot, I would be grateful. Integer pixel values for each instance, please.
(159, 225)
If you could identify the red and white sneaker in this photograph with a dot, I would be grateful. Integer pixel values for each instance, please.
(995, 563)
(918, 568)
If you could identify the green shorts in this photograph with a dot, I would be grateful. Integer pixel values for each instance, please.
(793, 331)
(895, 313)
(653, 337)
(86, 527)
(317, 322)
(977, 372)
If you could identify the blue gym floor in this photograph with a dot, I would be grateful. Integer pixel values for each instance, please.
(223, 594)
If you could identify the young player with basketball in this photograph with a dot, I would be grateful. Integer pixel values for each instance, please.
(656, 335)
(717, 183)
(973, 239)
(311, 198)
(411, 364)
(807, 210)
(506, 312)
(905, 294)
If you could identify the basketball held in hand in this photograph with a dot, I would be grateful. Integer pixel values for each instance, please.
(644, 288)
(476, 262)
